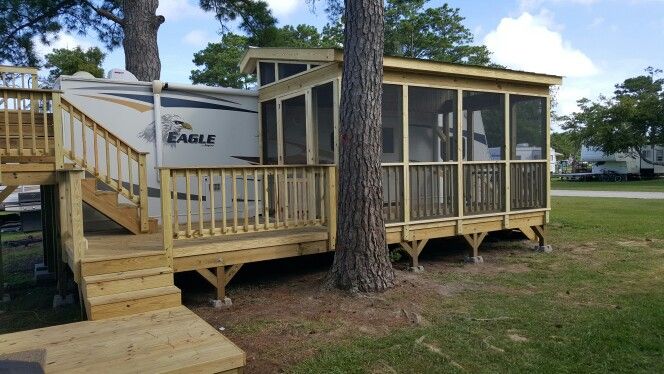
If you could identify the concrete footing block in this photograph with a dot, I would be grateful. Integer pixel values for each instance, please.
(59, 301)
(221, 304)
(5, 298)
(543, 248)
(473, 260)
(416, 269)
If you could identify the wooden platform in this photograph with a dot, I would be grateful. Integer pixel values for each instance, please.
(167, 341)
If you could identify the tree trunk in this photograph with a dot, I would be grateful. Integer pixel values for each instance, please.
(140, 26)
(361, 262)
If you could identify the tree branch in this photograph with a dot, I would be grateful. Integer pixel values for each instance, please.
(104, 13)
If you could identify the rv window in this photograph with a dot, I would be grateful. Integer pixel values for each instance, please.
(431, 119)
(294, 120)
(660, 155)
(527, 127)
(267, 73)
(392, 123)
(269, 131)
(323, 117)
(484, 122)
(286, 70)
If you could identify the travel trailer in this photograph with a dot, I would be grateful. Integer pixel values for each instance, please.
(648, 164)
(200, 125)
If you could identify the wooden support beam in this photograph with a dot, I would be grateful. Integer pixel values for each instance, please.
(541, 234)
(474, 240)
(220, 278)
(414, 248)
(528, 232)
(6, 192)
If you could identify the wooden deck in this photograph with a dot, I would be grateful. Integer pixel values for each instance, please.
(167, 341)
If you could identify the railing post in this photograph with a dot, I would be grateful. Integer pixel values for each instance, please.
(331, 207)
(166, 214)
(143, 191)
(57, 131)
(71, 216)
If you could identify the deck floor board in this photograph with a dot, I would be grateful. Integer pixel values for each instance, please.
(168, 340)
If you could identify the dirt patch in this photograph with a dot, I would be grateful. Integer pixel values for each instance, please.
(281, 316)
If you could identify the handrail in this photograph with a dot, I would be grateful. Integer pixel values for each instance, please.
(106, 156)
(222, 200)
(26, 122)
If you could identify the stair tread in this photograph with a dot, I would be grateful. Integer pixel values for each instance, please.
(123, 256)
(132, 295)
(121, 275)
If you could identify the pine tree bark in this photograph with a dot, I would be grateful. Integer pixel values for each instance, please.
(140, 26)
(361, 261)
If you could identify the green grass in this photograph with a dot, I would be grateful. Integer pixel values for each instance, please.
(650, 185)
(31, 304)
(594, 305)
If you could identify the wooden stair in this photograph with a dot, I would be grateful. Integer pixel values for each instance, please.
(128, 284)
(106, 202)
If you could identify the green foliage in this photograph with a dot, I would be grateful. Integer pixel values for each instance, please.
(567, 144)
(218, 62)
(69, 61)
(412, 30)
(630, 120)
(23, 22)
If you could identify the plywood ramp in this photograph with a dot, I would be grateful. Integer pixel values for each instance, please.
(171, 340)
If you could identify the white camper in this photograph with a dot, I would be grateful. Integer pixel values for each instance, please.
(630, 163)
(179, 125)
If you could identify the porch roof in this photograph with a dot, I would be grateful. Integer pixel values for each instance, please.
(327, 55)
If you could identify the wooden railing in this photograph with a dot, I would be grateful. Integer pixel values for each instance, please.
(18, 77)
(27, 123)
(433, 191)
(103, 154)
(528, 185)
(213, 201)
(484, 187)
(40, 126)
(393, 202)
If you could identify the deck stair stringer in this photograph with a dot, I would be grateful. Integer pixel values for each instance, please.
(107, 203)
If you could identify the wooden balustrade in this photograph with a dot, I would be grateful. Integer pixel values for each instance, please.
(528, 185)
(484, 187)
(211, 201)
(104, 155)
(433, 191)
(393, 202)
(26, 123)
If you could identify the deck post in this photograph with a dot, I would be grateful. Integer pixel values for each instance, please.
(414, 248)
(331, 207)
(57, 131)
(143, 191)
(474, 241)
(221, 282)
(166, 214)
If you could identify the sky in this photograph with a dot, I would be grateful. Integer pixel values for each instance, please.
(593, 44)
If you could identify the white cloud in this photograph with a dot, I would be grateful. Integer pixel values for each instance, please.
(597, 21)
(59, 41)
(282, 8)
(178, 9)
(198, 38)
(528, 43)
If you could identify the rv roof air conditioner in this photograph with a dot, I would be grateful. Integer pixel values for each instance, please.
(84, 74)
(121, 75)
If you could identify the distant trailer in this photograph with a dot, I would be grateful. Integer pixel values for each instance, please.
(632, 164)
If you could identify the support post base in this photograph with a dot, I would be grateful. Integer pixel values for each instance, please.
(543, 248)
(221, 304)
(473, 260)
(5, 298)
(416, 269)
